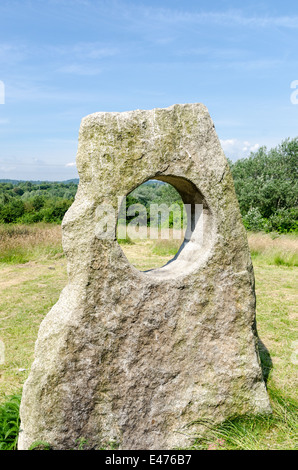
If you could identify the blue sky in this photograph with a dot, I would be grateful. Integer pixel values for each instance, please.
(63, 59)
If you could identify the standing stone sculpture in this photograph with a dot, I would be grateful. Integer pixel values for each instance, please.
(142, 358)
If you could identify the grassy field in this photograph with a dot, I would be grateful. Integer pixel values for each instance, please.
(33, 273)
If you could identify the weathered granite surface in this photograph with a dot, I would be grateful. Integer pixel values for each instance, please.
(139, 358)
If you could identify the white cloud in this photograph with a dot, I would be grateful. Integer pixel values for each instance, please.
(142, 13)
(86, 57)
(84, 50)
(235, 148)
(95, 51)
(12, 53)
(226, 18)
(80, 69)
(6, 168)
(228, 144)
(254, 148)
(70, 164)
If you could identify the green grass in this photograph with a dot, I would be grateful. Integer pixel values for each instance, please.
(275, 431)
(166, 247)
(40, 445)
(27, 292)
(282, 260)
(125, 241)
(275, 258)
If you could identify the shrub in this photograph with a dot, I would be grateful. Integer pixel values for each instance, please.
(12, 211)
(284, 220)
(254, 221)
(10, 423)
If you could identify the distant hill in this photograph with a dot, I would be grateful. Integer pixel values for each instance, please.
(75, 180)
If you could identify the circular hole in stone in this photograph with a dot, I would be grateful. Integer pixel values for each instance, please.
(151, 225)
(165, 227)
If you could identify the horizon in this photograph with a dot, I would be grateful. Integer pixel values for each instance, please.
(63, 60)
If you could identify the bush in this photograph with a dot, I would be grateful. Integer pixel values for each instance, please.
(254, 221)
(12, 211)
(10, 423)
(56, 211)
(284, 220)
(30, 218)
(266, 185)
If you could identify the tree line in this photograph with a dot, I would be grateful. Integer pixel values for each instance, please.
(27, 202)
(266, 185)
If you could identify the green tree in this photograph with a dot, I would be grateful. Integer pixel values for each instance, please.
(37, 203)
(12, 211)
(267, 182)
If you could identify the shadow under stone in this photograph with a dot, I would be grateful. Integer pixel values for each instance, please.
(266, 362)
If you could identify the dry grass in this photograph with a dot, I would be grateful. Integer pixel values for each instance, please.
(22, 243)
(151, 248)
(274, 249)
